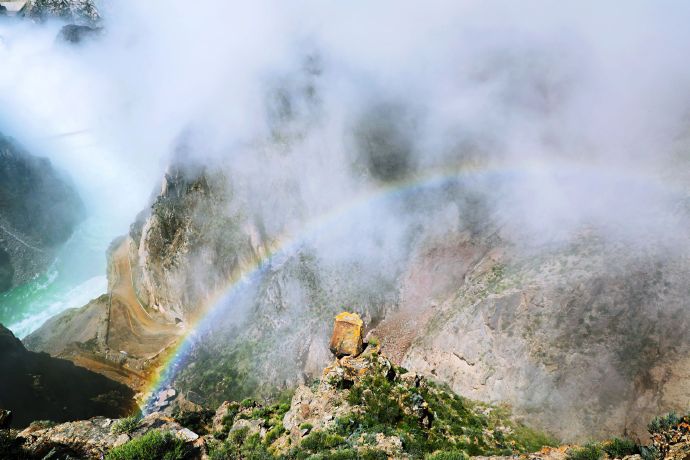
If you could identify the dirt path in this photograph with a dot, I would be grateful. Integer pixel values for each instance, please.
(131, 328)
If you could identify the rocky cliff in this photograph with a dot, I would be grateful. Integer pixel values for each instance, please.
(36, 386)
(39, 210)
(83, 11)
(362, 407)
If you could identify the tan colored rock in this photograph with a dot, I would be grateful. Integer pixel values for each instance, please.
(347, 335)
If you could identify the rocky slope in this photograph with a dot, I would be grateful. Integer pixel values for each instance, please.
(363, 407)
(39, 210)
(36, 386)
(582, 338)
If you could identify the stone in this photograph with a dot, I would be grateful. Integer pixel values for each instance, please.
(347, 335)
(187, 435)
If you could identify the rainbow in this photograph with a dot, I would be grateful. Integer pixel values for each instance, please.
(178, 356)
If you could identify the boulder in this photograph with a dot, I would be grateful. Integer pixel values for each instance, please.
(347, 335)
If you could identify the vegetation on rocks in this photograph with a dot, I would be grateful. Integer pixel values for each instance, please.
(367, 408)
(126, 425)
(154, 444)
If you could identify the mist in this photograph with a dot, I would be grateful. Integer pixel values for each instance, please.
(559, 117)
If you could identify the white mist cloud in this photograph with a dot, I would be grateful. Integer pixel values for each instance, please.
(582, 107)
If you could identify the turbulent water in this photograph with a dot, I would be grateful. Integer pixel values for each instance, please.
(76, 276)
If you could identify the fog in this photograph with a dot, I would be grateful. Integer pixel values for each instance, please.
(561, 116)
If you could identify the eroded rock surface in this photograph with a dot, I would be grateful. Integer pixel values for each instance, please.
(347, 335)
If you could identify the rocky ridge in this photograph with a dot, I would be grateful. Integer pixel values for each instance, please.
(39, 210)
(362, 407)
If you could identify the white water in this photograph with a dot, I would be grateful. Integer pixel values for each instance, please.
(76, 277)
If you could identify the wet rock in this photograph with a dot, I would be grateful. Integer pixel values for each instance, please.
(347, 335)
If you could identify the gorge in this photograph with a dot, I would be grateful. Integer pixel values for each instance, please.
(191, 195)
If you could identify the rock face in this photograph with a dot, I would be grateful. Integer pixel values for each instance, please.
(190, 242)
(113, 334)
(35, 386)
(39, 210)
(585, 340)
(83, 11)
(347, 335)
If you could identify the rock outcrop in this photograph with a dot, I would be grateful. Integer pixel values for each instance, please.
(39, 210)
(347, 335)
(377, 411)
(35, 386)
(81, 11)
(190, 242)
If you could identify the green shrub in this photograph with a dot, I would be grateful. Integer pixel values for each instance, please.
(649, 453)
(240, 445)
(274, 433)
(306, 426)
(619, 448)
(42, 424)
(197, 421)
(125, 425)
(319, 441)
(662, 423)
(153, 445)
(587, 452)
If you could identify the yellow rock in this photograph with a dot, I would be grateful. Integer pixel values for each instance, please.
(347, 335)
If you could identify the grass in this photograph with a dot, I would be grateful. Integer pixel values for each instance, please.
(125, 425)
(619, 448)
(662, 423)
(591, 451)
(197, 421)
(153, 445)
